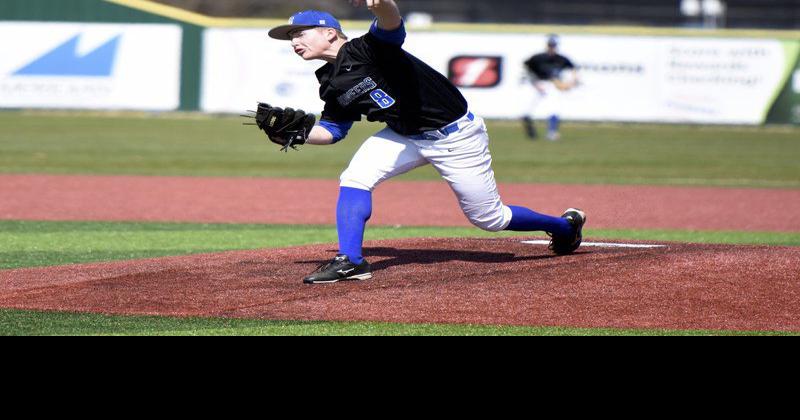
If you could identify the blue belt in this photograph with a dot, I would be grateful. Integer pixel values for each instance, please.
(442, 132)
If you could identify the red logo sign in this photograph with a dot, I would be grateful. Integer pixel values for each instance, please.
(476, 71)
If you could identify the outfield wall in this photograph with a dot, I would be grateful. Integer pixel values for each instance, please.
(91, 66)
(624, 78)
(95, 23)
(132, 54)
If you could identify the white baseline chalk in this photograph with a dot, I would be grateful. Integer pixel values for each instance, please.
(601, 245)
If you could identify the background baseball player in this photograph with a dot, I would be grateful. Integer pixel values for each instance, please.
(428, 122)
(551, 74)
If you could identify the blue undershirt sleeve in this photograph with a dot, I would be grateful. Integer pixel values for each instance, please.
(396, 37)
(338, 129)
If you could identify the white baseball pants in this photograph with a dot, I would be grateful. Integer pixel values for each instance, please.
(542, 106)
(462, 158)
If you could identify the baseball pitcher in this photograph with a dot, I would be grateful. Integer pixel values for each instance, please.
(428, 122)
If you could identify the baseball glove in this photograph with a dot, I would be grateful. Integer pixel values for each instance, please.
(288, 127)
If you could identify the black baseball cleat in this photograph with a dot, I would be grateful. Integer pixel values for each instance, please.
(565, 245)
(338, 270)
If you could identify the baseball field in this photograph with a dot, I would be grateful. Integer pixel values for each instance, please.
(186, 224)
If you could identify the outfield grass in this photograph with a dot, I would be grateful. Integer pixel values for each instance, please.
(193, 145)
(39, 244)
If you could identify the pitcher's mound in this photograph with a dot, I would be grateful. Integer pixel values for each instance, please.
(477, 281)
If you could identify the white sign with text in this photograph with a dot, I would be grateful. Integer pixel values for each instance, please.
(90, 66)
(623, 78)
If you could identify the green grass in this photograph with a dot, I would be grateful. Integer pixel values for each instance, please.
(46, 323)
(36, 244)
(39, 244)
(194, 145)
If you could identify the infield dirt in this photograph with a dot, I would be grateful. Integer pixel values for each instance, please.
(287, 201)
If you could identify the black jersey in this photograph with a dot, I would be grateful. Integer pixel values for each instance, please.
(548, 67)
(383, 82)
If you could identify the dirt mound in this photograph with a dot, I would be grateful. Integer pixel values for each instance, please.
(476, 281)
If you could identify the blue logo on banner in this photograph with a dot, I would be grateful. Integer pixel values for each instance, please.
(65, 61)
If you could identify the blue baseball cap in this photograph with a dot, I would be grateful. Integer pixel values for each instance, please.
(304, 20)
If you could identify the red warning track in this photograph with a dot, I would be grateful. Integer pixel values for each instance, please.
(499, 282)
(245, 200)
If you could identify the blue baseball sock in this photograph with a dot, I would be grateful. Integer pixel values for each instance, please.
(526, 220)
(352, 213)
(555, 123)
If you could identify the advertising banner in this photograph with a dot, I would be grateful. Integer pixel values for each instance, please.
(90, 66)
(622, 78)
